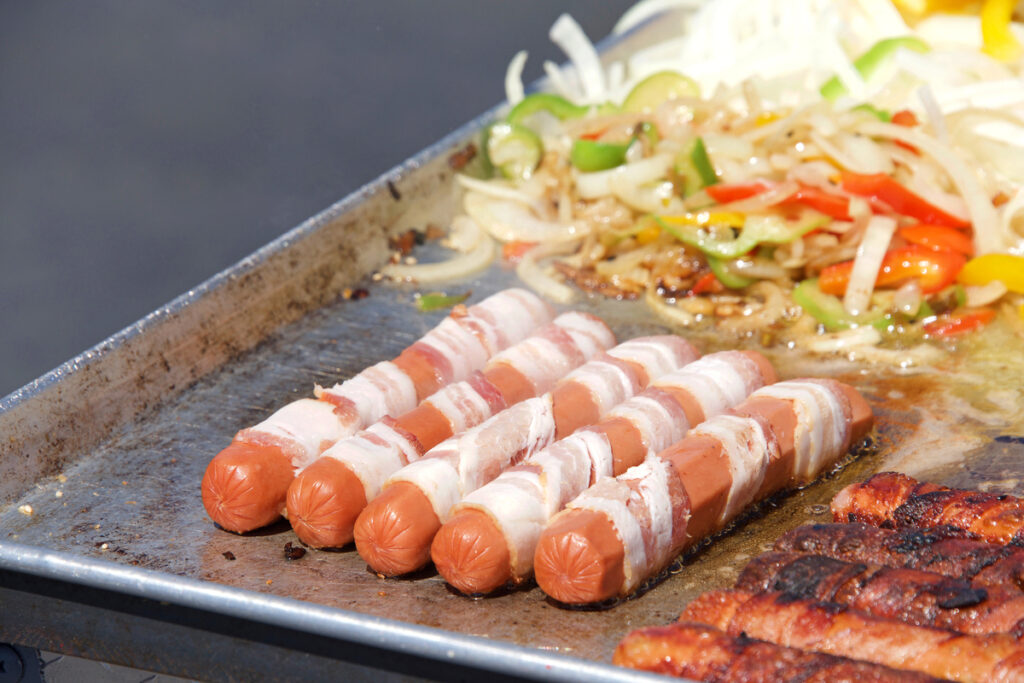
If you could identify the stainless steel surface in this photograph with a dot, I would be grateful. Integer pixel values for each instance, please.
(101, 461)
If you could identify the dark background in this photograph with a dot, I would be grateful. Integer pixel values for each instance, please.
(145, 146)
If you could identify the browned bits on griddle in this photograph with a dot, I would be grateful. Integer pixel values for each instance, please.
(228, 555)
(433, 232)
(293, 552)
(349, 294)
(458, 160)
(403, 243)
(395, 194)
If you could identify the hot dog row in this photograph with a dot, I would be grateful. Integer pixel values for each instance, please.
(942, 599)
(509, 444)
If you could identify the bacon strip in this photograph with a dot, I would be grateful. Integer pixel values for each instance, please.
(910, 595)
(944, 550)
(891, 499)
(617, 534)
(244, 486)
(836, 630)
(325, 498)
(394, 532)
(700, 652)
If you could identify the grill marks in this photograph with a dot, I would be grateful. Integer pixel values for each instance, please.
(944, 598)
(893, 500)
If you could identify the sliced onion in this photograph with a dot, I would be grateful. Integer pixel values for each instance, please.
(987, 235)
(842, 341)
(514, 78)
(480, 252)
(533, 273)
(599, 183)
(497, 189)
(510, 221)
(907, 299)
(1010, 210)
(656, 197)
(983, 295)
(845, 159)
(867, 262)
(569, 36)
(931, 108)
(645, 9)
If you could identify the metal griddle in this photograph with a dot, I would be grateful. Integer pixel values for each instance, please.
(118, 561)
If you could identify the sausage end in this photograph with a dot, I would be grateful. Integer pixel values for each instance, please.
(245, 484)
(394, 532)
(471, 554)
(579, 558)
(323, 503)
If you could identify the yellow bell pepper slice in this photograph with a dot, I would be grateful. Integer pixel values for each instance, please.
(996, 32)
(1006, 268)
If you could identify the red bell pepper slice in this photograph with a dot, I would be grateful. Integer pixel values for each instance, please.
(724, 194)
(905, 117)
(933, 269)
(949, 324)
(707, 283)
(831, 205)
(938, 237)
(513, 252)
(881, 187)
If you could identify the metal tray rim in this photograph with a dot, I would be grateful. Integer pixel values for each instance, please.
(421, 641)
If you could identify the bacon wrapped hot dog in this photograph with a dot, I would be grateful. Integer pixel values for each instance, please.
(394, 532)
(836, 630)
(704, 653)
(325, 498)
(245, 484)
(943, 550)
(892, 499)
(910, 595)
(491, 536)
(622, 531)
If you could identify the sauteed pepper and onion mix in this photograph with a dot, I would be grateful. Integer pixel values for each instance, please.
(873, 201)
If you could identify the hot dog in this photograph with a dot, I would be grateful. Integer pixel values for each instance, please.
(325, 498)
(619, 533)
(892, 499)
(393, 534)
(910, 595)
(834, 629)
(945, 550)
(245, 484)
(700, 652)
(491, 536)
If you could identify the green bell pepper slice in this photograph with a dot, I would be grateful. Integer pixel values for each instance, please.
(514, 150)
(728, 278)
(828, 309)
(591, 155)
(434, 301)
(694, 167)
(658, 88)
(755, 231)
(869, 62)
(556, 105)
